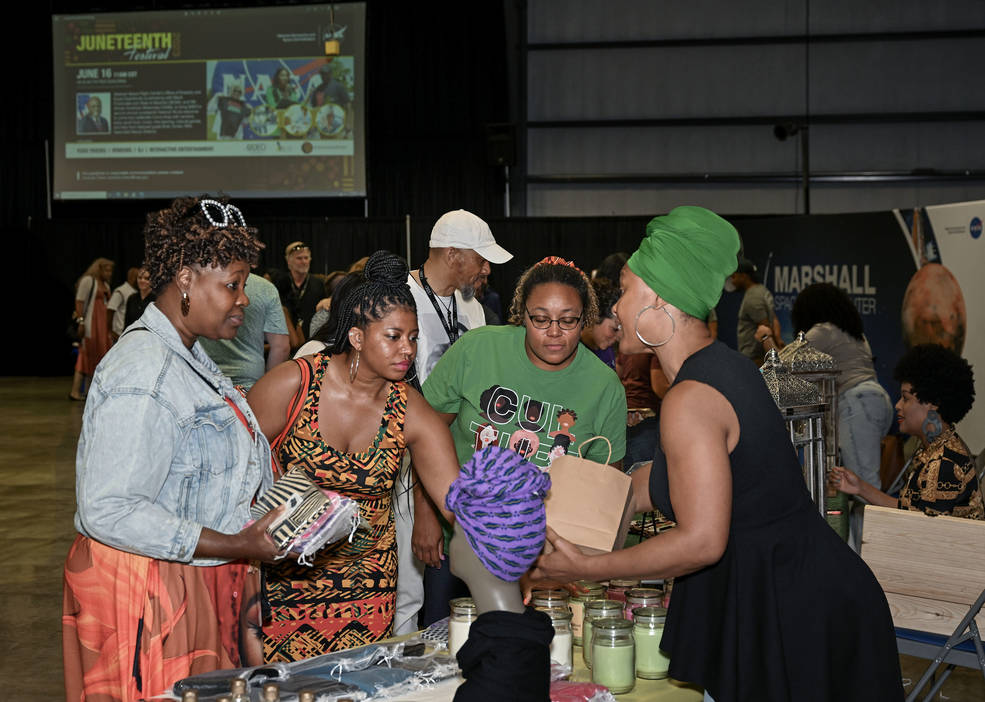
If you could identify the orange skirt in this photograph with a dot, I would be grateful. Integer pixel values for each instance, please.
(97, 343)
(132, 626)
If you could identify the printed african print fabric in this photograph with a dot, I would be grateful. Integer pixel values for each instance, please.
(943, 480)
(132, 625)
(347, 597)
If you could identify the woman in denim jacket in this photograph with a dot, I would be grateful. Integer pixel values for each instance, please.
(168, 463)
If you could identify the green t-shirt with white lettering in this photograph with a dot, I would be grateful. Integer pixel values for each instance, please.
(500, 397)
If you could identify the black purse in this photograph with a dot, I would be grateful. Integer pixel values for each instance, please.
(72, 331)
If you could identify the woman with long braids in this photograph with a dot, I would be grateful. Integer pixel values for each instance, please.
(169, 461)
(937, 388)
(769, 604)
(357, 419)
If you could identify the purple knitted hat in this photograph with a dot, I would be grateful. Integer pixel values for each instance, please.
(498, 499)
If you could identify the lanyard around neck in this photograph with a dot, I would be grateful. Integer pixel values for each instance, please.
(450, 323)
(300, 290)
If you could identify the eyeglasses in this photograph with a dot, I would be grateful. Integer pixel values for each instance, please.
(230, 214)
(297, 247)
(541, 321)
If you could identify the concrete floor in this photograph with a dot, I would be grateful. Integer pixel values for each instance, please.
(39, 428)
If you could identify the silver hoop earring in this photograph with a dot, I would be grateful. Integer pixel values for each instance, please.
(354, 368)
(673, 326)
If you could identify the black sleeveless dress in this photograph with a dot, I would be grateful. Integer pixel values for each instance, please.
(790, 612)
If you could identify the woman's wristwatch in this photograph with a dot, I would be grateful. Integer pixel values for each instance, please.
(80, 320)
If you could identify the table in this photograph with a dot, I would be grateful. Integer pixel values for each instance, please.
(645, 690)
(666, 690)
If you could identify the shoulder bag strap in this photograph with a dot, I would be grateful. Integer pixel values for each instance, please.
(293, 412)
(89, 299)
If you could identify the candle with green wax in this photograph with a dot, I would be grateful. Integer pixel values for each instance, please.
(596, 609)
(651, 663)
(613, 654)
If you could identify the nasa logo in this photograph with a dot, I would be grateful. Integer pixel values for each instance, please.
(975, 227)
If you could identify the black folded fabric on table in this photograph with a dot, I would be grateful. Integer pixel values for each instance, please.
(507, 657)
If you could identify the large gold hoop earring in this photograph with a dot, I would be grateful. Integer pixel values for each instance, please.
(673, 326)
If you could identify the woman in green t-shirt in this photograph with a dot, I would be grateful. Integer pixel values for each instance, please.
(529, 386)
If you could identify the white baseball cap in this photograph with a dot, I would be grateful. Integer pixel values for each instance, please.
(463, 230)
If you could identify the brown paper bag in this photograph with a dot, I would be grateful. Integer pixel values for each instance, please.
(589, 503)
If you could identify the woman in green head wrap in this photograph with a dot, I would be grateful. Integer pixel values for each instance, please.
(759, 575)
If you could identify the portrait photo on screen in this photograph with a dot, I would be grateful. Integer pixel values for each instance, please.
(92, 113)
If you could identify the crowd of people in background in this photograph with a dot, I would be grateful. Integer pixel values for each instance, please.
(379, 382)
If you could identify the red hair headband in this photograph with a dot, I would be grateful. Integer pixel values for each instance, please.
(558, 261)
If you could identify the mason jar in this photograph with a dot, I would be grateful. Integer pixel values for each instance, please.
(648, 628)
(618, 587)
(614, 654)
(463, 613)
(549, 599)
(561, 643)
(642, 597)
(587, 591)
(596, 609)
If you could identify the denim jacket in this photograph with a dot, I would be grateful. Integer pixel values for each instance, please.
(161, 453)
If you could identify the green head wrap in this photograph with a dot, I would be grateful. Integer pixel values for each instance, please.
(685, 258)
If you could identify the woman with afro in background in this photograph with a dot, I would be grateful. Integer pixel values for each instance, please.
(936, 391)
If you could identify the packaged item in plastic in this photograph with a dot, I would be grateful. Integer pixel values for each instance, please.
(314, 516)
(562, 691)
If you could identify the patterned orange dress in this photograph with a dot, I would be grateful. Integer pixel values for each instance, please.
(347, 597)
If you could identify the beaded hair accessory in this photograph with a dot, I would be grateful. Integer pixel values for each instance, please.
(230, 214)
(558, 261)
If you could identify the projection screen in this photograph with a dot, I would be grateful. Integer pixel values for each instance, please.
(243, 101)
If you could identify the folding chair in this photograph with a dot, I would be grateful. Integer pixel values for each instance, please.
(933, 574)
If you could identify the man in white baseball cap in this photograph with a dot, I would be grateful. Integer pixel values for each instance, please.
(463, 230)
(461, 249)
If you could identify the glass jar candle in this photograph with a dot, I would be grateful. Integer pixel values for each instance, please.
(596, 609)
(561, 643)
(463, 613)
(238, 690)
(642, 597)
(587, 591)
(613, 654)
(618, 587)
(648, 628)
(549, 599)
